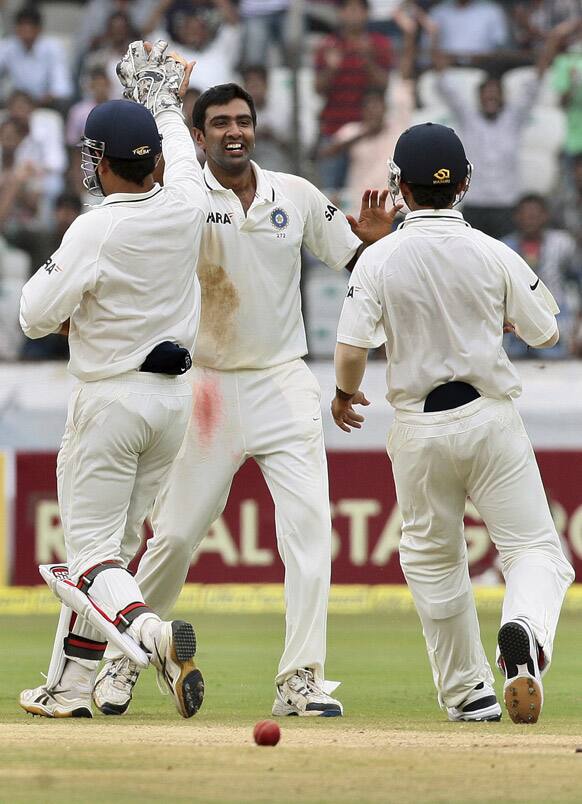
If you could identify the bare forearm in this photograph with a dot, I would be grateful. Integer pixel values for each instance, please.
(350, 365)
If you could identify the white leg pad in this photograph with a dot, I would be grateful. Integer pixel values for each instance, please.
(57, 578)
(58, 658)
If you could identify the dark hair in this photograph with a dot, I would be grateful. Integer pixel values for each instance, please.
(20, 93)
(68, 199)
(364, 3)
(217, 96)
(133, 170)
(29, 14)
(98, 72)
(532, 198)
(491, 78)
(374, 92)
(439, 197)
(258, 69)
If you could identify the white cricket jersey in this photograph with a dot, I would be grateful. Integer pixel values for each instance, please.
(125, 272)
(437, 292)
(250, 269)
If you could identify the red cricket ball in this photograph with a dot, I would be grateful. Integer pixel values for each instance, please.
(267, 732)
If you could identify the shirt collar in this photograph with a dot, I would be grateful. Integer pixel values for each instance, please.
(118, 198)
(264, 190)
(433, 214)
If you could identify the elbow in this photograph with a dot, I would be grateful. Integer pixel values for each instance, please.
(551, 341)
(30, 326)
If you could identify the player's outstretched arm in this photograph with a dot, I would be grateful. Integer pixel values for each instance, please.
(159, 81)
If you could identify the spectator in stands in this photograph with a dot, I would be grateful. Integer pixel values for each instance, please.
(119, 33)
(14, 271)
(45, 127)
(208, 36)
(347, 64)
(35, 63)
(370, 142)
(469, 29)
(273, 128)
(263, 25)
(533, 20)
(492, 134)
(567, 81)
(96, 18)
(98, 90)
(20, 181)
(551, 254)
(567, 206)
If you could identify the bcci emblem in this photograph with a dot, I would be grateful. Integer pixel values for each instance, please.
(279, 218)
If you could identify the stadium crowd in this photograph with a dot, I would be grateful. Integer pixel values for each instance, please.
(335, 82)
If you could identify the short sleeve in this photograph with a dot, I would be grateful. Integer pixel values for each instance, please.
(326, 232)
(361, 321)
(529, 305)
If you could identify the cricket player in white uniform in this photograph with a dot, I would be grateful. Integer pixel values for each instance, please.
(125, 277)
(438, 294)
(253, 394)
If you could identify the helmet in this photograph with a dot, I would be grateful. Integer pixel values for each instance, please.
(121, 129)
(429, 154)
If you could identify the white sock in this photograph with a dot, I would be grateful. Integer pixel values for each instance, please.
(77, 678)
(144, 629)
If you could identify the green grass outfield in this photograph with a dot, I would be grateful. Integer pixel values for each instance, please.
(394, 744)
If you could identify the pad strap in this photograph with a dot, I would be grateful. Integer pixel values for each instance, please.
(86, 579)
(127, 615)
(83, 648)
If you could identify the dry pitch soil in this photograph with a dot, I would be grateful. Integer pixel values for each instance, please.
(46, 761)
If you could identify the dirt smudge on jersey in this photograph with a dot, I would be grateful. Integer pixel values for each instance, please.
(220, 302)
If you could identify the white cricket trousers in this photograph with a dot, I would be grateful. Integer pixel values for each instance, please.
(480, 451)
(121, 437)
(274, 416)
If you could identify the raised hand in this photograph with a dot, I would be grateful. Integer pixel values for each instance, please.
(374, 221)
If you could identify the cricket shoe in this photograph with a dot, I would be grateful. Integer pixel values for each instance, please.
(114, 686)
(302, 695)
(519, 659)
(480, 705)
(52, 703)
(174, 650)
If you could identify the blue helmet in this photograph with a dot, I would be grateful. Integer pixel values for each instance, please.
(120, 129)
(429, 155)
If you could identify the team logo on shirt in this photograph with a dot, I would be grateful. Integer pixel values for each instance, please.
(50, 266)
(279, 218)
(442, 176)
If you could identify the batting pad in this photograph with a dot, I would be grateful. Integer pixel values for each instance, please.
(57, 578)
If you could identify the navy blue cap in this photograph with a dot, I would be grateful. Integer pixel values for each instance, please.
(430, 154)
(128, 130)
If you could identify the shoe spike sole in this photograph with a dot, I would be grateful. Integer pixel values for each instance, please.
(190, 688)
(522, 694)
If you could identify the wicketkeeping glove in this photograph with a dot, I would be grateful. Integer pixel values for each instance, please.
(152, 79)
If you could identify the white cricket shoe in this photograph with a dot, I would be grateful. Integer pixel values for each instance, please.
(301, 695)
(480, 705)
(174, 650)
(519, 659)
(52, 703)
(114, 686)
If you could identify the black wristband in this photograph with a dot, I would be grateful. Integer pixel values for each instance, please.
(343, 395)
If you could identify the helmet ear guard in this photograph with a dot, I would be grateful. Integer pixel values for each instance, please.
(92, 152)
(463, 192)
(394, 176)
